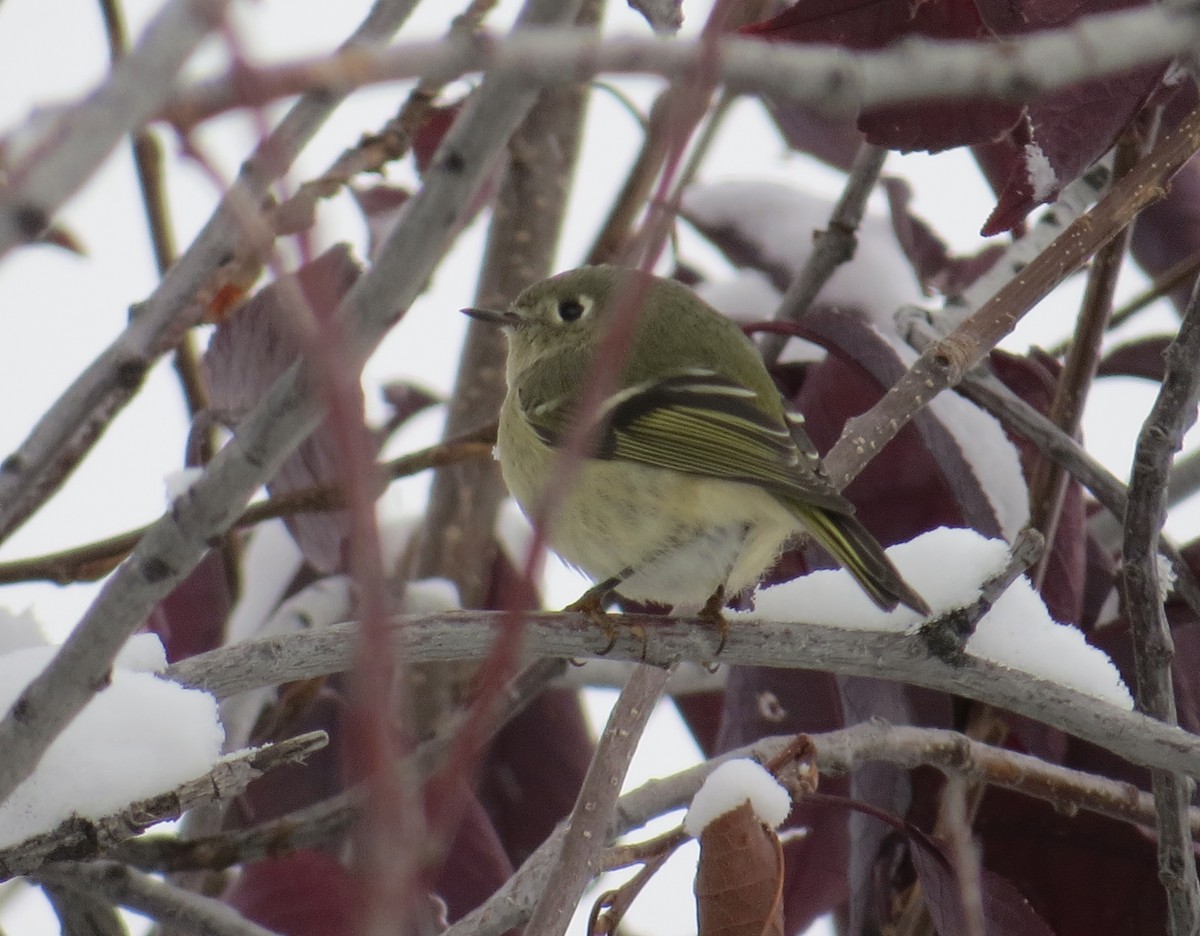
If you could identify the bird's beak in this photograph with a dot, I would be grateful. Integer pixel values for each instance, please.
(503, 319)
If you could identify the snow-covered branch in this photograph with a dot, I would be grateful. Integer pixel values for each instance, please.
(79, 838)
(831, 80)
(885, 655)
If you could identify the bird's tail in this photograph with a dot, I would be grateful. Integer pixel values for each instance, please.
(852, 545)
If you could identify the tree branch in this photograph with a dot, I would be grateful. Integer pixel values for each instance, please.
(833, 81)
(84, 135)
(890, 655)
(143, 894)
(287, 413)
(78, 838)
(1174, 411)
(591, 818)
(834, 246)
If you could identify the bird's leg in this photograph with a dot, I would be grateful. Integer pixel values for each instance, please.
(712, 613)
(593, 602)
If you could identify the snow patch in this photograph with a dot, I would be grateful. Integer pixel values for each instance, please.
(947, 566)
(729, 786)
(780, 222)
(138, 737)
(1041, 174)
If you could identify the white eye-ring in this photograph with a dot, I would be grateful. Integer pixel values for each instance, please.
(573, 308)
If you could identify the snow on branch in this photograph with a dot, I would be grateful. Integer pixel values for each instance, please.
(819, 622)
(78, 837)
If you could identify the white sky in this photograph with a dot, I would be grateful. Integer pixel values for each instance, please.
(61, 310)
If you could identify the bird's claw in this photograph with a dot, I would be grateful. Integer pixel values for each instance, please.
(713, 613)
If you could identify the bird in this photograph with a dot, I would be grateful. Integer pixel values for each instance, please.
(695, 476)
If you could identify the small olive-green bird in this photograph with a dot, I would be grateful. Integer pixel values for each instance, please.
(696, 477)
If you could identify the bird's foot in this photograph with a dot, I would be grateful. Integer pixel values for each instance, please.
(713, 613)
(593, 603)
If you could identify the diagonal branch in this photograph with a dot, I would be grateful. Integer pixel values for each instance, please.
(78, 838)
(71, 150)
(286, 415)
(945, 362)
(67, 431)
(834, 246)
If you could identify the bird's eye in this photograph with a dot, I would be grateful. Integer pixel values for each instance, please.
(569, 310)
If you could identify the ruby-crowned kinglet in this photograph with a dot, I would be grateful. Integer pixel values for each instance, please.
(696, 477)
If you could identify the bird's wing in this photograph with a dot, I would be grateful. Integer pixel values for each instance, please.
(698, 422)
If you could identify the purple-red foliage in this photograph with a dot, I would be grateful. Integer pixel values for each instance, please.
(1069, 128)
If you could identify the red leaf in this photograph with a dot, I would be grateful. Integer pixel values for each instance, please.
(306, 893)
(739, 880)
(192, 618)
(1084, 874)
(524, 798)
(1140, 358)
(873, 25)
(245, 356)
(476, 863)
(937, 269)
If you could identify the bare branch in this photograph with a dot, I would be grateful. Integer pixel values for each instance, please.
(70, 151)
(833, 81)
(67, 431)
(1048, 489)
(285, 416)
(93, 561)
(894, 655)
(590, 820)
(143, 894)
(990, 394)
(1174, 411)
(834, 246)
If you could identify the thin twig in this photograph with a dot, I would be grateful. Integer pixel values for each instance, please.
(989, 393)
(1048, 488)
(67, 431)
(145, 895)
(1174, 411)
(1175, 276)
(93, 561)
(589, 822)
(833, 246)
